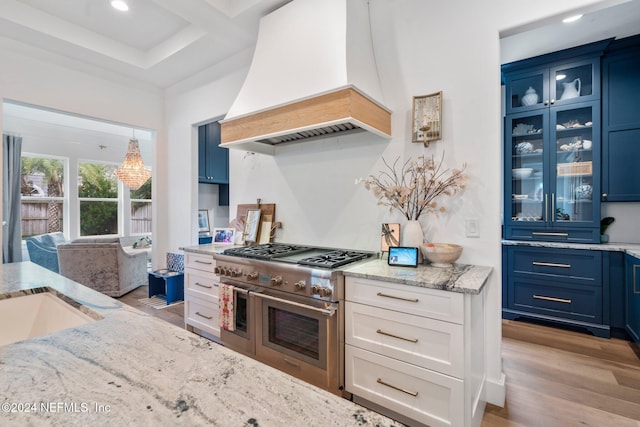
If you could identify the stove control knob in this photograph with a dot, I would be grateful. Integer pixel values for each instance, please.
(315, 290)
(300, 285)
(325, 292)
(217, 270)
(225, 271)
(236, 273)
(253, 275)
(276, 281)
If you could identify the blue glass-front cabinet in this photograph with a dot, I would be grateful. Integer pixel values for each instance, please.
(552, 169)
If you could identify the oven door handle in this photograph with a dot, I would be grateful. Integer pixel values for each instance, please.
(236, 288)
(326, 311)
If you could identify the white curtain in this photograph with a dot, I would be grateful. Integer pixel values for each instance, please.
(11, 230)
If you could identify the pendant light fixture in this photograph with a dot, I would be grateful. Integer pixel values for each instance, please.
(132, 172)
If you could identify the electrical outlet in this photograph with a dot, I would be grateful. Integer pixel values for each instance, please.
(472, 227)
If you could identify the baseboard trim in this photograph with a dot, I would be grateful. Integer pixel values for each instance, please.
(495, 390)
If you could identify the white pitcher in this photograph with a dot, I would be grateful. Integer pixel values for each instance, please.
(571, 90)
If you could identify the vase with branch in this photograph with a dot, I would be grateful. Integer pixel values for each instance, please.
(415, 188)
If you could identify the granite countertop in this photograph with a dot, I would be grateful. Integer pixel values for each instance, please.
(629, 248)
(209, 248)
(462, 278)
(131, 368)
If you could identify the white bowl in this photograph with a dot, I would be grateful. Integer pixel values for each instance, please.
(520, 173)
(441, 254)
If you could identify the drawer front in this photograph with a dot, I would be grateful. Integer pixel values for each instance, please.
(420, 394)
(432, 303)
(579, 266)
(582, 303)
(573, 235)
(429, 343)
(202, 314)
(201, 283)
(199, 262)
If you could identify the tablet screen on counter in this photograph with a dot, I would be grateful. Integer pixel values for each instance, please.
(401, 256)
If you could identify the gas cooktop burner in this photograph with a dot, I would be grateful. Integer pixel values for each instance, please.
(297, 254)
(334, 259)
(266, 250)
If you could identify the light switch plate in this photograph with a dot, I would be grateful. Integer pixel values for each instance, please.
(472, 227)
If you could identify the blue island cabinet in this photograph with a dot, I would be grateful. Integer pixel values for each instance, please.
(632, 309)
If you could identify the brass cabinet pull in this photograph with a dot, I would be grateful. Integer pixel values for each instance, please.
(204, 262)
(381, 332)
(380, 294)
(551, 264)
(412, 393)
(546, 208)
(202, 286)
(540, 233)
(635, 280)
(565, 301)
(202, 315)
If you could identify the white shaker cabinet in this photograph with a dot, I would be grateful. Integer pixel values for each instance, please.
(201, 307)
(415, 353)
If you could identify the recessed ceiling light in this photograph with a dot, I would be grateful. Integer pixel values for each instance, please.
(120, 5)
(571, 19)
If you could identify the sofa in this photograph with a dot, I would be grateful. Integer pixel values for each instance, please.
(102, 264)
(43, 251)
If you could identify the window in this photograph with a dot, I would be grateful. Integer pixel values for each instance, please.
(98, 197)
(43, 200)
(141, 209)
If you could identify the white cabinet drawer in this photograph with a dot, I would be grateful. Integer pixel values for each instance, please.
(429, 343)
(202, 314)
(201, 283)
(423, 395)
(433, 303)
(199, 262)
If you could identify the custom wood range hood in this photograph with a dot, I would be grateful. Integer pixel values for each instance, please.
(313, 75)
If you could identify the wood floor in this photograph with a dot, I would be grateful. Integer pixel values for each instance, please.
(173, 314)
(555, 378)
(561, 378)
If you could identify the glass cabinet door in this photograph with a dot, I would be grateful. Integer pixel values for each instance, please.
(573, 149)
(575, 82)
(528, 194)
(527, 91)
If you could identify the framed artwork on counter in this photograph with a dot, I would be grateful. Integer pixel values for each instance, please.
(390, 236)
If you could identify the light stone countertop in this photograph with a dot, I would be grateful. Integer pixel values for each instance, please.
(134, 369)
(462, 278)
(209, 248)
(629, 248)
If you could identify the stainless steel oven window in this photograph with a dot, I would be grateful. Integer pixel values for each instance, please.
(295, 331)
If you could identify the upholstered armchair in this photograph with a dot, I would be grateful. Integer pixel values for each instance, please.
(43, 249)
(102, 264)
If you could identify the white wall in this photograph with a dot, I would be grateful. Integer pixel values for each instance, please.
(43, 83)
(421, 47)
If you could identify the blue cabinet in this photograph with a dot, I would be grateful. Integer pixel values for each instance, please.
(613, 268)
(552, 146)
(632, 308)
(621, 121)
(213, 160)
(562, 286)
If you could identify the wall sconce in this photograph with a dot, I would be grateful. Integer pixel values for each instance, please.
(427, 118)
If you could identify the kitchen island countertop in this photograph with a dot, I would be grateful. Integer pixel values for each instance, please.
(131, 368)
(628, 248)
(461, 278)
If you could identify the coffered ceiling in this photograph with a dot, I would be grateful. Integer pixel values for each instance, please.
(157, 41)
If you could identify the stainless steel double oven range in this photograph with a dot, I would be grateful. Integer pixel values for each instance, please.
(288, 308)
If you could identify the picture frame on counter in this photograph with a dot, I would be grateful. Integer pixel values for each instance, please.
(203, 221)
(251, 225)
(224, 235)
(390, 236)
(427, 118)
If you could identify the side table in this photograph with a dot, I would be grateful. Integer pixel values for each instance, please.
(166, 283)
